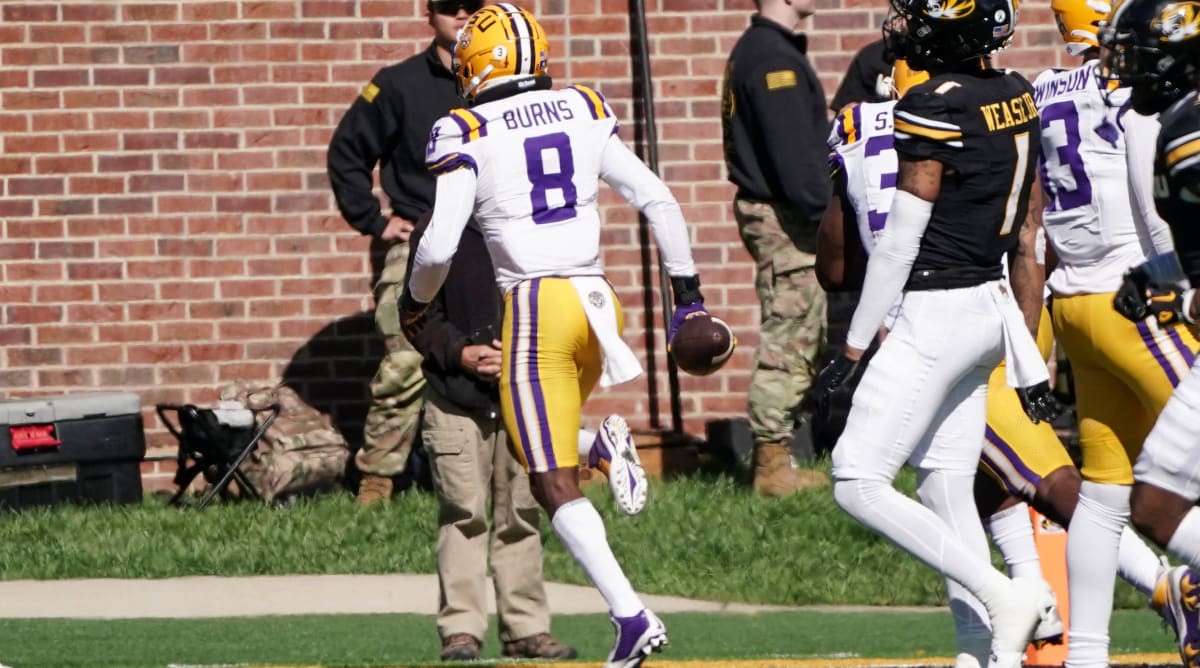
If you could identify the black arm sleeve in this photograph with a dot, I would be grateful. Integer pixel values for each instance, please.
(439, 339)
(367, 132)
(789, 110)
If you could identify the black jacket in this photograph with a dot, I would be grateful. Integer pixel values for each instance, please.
(859, 83)
(465, 311)
(389, 124)
(774, 120)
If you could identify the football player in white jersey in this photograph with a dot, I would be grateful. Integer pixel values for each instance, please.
(1096, 164)
(525, 162)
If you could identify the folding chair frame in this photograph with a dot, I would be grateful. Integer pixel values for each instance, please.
(202, 458)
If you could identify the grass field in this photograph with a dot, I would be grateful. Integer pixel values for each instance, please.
(407, 640)
(703, 537)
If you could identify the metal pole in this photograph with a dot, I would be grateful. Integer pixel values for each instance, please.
(641, 69)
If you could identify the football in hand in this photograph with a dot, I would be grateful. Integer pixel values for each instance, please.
(702, 345)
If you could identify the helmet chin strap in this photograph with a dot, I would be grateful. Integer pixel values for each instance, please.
(477, 80)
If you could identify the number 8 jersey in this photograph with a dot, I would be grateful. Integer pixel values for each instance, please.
(538, 157)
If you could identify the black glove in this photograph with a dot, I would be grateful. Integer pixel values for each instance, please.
(1039, 402)
(834, 375)
(412, 315)
(1138, 299)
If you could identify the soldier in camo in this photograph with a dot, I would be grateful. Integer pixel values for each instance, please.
(388, 125)
(395, 411)
(774, 123)
(300, 452)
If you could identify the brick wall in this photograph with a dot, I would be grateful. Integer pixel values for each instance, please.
(167, 222)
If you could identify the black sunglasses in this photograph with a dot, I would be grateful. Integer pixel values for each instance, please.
(452, 7)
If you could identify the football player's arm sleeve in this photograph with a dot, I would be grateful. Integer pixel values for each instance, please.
(454, 203)
(1141, 133)
(362, 137)
(896, 249)
(438, 338)
(925, 128)
(634, 181)
(782, 100)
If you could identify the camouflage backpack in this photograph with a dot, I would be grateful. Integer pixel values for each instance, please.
(301, 451)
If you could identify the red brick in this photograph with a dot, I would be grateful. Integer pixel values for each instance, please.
(48, 250)
(35, 271)
(184, 331)
(215, 268)
(150, 12)
(125, 205)
(16, 207)
(95, 227)
(59, 122)
(125, 292)
(125, 163)
(14, 123)
(188, 290)
(119, 33)
(216, 310)
(182, 76)
(214, 140)
(136, 377)
(175, 33)
(31, 315)
(15, 336)
(155, 183)
(189, 161)
(215, 352)
(16, 378)
(87, 271)
(30, 12)
(150, 141)
(49, 185)
(245, 160)
(155, 354)
(65, 334)
(239, 31)
(89, 12)
(39, 356)
(210, 53)
(14, 100)
(286, 30)
(151, 98)
(122, 77)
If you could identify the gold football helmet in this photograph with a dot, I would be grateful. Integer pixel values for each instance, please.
(1079, 22)
(500, 42)
(904, 77)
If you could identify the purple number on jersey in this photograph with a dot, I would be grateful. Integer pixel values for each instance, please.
(1062, 195)
(542, 181)
(887, 180)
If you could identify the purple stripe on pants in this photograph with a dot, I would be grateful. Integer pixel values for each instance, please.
(1148, 339)
(1030, 479)
(535, 380)
(513, 382)
(1188, 355)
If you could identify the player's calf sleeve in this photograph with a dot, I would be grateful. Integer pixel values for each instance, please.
(1012, 532)
(1092, 547)
(1136, 562)
(1185, 543)
(581, 530)
(920, 532)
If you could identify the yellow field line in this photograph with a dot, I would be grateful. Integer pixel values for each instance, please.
(653, 662)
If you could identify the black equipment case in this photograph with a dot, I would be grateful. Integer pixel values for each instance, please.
(75, 447)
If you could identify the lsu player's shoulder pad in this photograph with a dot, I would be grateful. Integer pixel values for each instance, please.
(847, 127)
(450, 141)
(595, 104)
(927, 120)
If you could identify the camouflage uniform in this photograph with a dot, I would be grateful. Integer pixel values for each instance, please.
(396, 389)
(783, 245)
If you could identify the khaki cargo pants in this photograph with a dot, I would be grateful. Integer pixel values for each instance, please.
(470, 461)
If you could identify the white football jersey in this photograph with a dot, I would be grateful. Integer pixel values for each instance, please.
(861, 145)
(1088, 216)
(537, 157)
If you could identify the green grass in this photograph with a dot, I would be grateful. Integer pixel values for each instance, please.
(704, 537)
(378, 640)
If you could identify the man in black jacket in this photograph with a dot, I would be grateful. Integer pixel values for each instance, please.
(774, 122)
(388, 125)
(463, 434)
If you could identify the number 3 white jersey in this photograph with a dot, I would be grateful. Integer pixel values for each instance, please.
(538, 157)
(861, 144)
(1088, 217)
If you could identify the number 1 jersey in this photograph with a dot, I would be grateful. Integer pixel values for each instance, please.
(538, 158)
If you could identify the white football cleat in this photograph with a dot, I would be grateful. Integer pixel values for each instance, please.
(1014, 620)
(614, 453)
(1050, 629)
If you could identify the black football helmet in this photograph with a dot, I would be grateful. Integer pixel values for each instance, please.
(1152, 46)
(941, 34)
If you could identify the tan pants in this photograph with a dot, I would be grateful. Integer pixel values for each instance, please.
(469, 458)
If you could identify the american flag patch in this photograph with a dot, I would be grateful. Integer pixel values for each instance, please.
(781, 79)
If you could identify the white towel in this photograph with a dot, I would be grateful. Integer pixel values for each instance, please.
(1024, 364)
(620, 364)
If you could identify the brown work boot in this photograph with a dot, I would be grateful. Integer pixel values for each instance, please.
(460, 647)
(374, 488)
(540, 646)
(774, 475)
